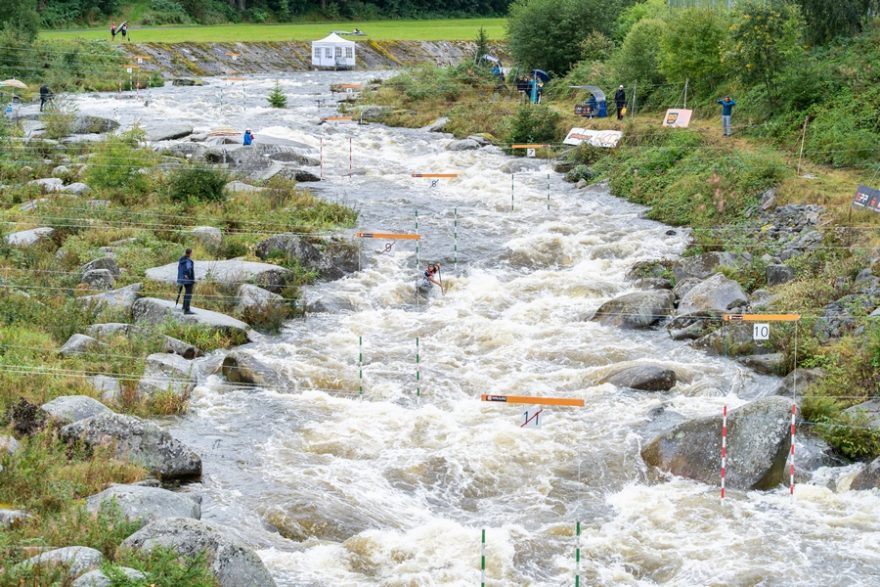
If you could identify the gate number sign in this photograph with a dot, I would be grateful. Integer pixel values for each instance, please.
(761, 331)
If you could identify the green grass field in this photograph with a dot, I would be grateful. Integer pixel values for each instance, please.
(464, 29)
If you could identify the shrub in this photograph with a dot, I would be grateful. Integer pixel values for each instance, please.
(58, 119)
(277, 99)
(197, 184)
(691, 48)
(639, 57)
(534, 124)
(117, 166)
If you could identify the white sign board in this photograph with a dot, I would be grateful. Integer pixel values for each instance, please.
(677, 118)
(532, 418)
(530, 152)
(761, 331)
(606, 139)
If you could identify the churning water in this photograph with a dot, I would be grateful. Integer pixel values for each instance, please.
(393, 486)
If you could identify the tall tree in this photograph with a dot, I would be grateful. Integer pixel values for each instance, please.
(21, 17)
(828, 19)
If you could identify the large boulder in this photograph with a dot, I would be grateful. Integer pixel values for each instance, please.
(253, 298)
(108, 263)
(332, 258)
(766, 364)
(138, 441)
(241, 367)
(98, 279)
(85, 124)
(641, 309)
(778, 274)
(869, 477)
(12, 518)
(182, 348)
(77, 559)
(228, 272)
(108, 387)
(463, 145)
(78, 344)
(168, 132)
(157, 311)
(67, 409)
(702, 266)
(108, 329)
(97, 578)
(870, 410)
(166, 372)
(231, 562)
(644, 378)
(76, 188)
(438, 125)
(298, 175)
(48, 184)
(210, 236)
(730, 339)
(28, 238)
(715, 294)
(799, 380)
(758, 441)
(138, 502)
(119, 299)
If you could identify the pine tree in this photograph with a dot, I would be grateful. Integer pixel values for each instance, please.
(482, 45)
(277, 99)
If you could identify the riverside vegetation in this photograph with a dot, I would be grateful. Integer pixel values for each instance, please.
(136, 210)
(743, 195)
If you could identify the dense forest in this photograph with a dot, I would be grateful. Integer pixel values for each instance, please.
(59, 13)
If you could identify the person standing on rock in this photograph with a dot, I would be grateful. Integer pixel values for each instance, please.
(45, 96)
(248, 138)
(186, 278)
(727, 105)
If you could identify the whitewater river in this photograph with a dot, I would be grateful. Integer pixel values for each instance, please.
(394, 486)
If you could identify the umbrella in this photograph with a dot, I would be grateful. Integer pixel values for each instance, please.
(492, 58)
(541, 75)
(13, 83)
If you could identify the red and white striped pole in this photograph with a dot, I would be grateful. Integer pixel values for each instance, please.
(322, 157)
(349, 158)
(723, 449)
(791, 455)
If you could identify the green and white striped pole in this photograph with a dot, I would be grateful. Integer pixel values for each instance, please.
(577, 556)
(483, 560)
(418, 370)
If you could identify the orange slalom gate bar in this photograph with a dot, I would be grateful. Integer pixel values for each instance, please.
(527, 399)
(336, 118)
(389, 236)
(448, 175)
(529, 146)
(762, 317)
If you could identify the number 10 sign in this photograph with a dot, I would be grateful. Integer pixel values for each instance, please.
(761, 331)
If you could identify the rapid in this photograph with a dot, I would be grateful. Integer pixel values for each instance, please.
(393, 486)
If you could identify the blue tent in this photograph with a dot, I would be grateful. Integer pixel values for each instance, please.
(600, 109)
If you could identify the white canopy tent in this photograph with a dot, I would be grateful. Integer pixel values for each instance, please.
(333, 52)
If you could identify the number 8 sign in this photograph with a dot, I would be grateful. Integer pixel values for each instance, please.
(761, 331)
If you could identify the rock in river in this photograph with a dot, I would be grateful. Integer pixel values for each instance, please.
(715, 294)
(148, 504)
(758, 436)
(644, 378)
(641, 309)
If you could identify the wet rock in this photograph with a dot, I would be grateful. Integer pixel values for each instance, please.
(181, 348)
(12, 518)
(210, 237)
(484, 139)
(730, 339)
(715, 294)
(644, 378)
(650, 269)
(520, 165)
(581, 184)
(148, 504)
(120, 299)
(463, 145)
(108, 387)
(29, 238)
(229, 272)
(653, 283)
(241, 187)
(77, 559)
(77, 189)
(231, 562)
(758, 444)
(166, 372)
(332, 258)
(251, 297)
(84, 125)
(778, 274)
(241, 367)
(78, 344)
(138, 441)
(641, 309)
(98, 279)
(67, 409)
(804, 378)
(692, 326)
(702, 266)
(156, 311)
(869, 477)
(168, 132)
(767, 364)
(683, 286)
(438, 125)
(99, 579)
(299, 175)
(186, 81)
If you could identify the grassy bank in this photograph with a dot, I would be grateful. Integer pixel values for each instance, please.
(696, 177)
(381, 30)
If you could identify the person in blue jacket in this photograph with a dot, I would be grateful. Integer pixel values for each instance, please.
(726, 110)
(248, 137)
(186, 278)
